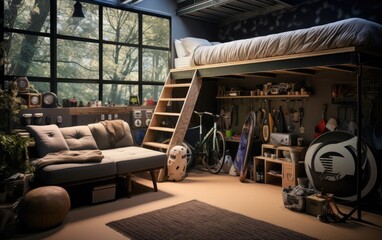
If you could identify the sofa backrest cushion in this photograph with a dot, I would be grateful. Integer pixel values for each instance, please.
(79, 138)
(111, 134)
(48, 139)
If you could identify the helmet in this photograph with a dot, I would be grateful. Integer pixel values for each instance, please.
(227, 163)
(177, 163)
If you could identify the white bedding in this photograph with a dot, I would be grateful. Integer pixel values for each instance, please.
(353, 32)
(182, 62)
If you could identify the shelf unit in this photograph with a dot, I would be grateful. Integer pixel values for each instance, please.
(269, 96)
(277, 169)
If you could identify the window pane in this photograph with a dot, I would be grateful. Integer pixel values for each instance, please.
(86, 27)
(41, 87)
(29, 55)
(156, 31)
(118, 94)
(77, 59)
(155, 65)
(151, 91)
(82, 91)
(120, 63)
(26, 15)
(120, 26)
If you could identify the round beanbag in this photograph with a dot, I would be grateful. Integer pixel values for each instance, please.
(44, 207)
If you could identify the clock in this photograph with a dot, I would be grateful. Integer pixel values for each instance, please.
(32, 100)
(22, 84)
(49, 100)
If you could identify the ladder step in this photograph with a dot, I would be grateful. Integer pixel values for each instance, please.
(167, 114)
(156, 145)
(173, 99)
(177, 85)
(163, 129)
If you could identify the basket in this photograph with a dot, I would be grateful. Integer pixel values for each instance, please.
(295, 198)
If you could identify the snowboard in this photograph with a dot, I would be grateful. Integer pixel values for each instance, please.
(246, 137)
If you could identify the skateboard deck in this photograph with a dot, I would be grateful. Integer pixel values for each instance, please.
(246, 137)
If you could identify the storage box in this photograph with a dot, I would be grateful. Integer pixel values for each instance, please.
(314, 205)
(287, 139)
(103, 193)
(293, 202)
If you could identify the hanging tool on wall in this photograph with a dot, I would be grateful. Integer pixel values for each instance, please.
(321, 126)
(290, 126)
(235, 114)
(265, 129)
(280, 123)
(270, 118)
(301, 115)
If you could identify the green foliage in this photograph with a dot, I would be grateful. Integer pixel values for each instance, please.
(14, 155)
(10, 106)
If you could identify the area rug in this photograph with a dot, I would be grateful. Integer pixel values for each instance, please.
(198, 220)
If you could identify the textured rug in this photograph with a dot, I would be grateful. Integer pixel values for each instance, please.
(198, 220)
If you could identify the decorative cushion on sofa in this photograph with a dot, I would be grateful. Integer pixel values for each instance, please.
(111, 134)
(79, 138)
(48, 138)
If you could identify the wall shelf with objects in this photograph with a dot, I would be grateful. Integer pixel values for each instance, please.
(280, 165)
(290, 97)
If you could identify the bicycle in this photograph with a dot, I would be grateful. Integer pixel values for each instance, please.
(210, 148)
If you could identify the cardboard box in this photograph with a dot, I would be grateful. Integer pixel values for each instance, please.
(314, 205)
(103, 193)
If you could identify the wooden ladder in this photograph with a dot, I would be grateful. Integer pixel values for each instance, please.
(169, 121)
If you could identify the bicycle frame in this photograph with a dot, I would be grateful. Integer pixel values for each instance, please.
(199, 145)
(212, 132)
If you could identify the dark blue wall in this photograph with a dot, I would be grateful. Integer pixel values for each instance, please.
(307, 14)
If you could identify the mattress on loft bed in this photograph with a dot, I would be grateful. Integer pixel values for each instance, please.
(353, 32)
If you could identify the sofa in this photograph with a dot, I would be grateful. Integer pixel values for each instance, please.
(91, 153)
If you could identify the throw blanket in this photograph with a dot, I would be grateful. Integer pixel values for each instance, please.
(67, 156)
(115, 130)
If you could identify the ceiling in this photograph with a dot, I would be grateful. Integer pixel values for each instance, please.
(225, 11)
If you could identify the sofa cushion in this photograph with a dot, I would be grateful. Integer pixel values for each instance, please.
(72, 173)
(135, 159)
(79, 138)
(103, 137)
(48, 138)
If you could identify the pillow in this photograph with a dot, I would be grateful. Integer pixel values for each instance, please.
(79, 138)
(180, 50)
(190, 43)
(215, 43)
(48, 139)
(104, 140)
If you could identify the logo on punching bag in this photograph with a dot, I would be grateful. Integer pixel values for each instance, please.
(331, 165)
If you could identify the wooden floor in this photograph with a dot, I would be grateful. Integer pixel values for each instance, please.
(259, 201)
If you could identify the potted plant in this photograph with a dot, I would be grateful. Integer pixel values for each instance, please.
(14, 159)
(14, 156)
(10, 106)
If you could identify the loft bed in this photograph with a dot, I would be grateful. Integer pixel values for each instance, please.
(352, 45)
(337, 44)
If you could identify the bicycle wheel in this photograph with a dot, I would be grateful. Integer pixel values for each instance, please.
(214, 158)
(189, 152)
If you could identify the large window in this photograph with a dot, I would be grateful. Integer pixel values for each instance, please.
(111, 54)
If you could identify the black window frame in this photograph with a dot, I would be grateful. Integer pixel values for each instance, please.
(53, 80)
